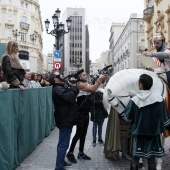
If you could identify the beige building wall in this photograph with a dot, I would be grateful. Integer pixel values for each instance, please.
(25, 17)
(157, 19)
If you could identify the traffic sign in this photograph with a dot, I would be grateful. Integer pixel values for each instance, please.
(57, 54)
(57, 65)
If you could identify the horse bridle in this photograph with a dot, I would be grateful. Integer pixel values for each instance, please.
(119, 100)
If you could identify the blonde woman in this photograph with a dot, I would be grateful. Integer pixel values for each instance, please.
(13, 72)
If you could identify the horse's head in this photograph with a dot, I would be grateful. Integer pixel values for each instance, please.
(119, 102)
(124, 85)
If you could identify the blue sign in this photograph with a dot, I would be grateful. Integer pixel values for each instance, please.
(57, 54)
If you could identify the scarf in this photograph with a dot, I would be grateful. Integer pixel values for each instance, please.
(14, 61)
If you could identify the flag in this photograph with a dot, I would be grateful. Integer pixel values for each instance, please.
(158, 63)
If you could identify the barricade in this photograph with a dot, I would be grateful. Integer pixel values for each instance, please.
(26, 118)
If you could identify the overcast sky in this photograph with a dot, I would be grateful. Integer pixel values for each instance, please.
(100, 14)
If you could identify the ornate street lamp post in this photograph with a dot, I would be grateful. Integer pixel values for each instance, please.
(58, 30)
(16, 33)
(33, 37)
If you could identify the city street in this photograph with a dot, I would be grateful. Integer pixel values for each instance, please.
(43, 157)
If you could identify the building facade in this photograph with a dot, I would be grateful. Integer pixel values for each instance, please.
(129, 45)
(21, 21)
(76, 43)
(157, 19)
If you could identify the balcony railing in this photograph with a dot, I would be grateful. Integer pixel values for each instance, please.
(148, 11)
(24, 25)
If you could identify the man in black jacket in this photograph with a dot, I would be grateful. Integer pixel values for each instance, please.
(65, 112)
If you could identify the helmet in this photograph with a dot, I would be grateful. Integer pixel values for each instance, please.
(159, 36)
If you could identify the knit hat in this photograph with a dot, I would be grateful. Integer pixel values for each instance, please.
(158, 36)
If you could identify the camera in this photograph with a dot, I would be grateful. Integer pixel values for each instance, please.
(75, 75)
(105, 70)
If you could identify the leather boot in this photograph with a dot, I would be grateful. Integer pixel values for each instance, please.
(124, 143)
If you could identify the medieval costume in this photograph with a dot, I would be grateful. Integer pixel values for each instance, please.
(118, 136)
(148, 114)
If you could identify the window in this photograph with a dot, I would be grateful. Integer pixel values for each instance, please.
(9, 33)
(10, 1)
(24, 55)
(9, 15)
(24, 19)
(23, 36)
(26, 5)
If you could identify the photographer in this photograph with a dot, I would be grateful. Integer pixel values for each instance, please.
(83, 101)
(65, 112)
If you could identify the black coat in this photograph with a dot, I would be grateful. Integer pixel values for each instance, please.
(11, 75)
(98, 111)
(65, 105)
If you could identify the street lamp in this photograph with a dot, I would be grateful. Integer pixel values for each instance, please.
(33, 37)
(16, 33)
(58, 30)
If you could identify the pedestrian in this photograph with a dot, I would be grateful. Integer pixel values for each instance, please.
(34, 83)
(148, 114)
(83, 101)
(98, 114)
(65, 112)
(27, 79)
(13, 73)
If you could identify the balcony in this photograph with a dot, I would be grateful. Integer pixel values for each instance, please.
(24, 25)
(148, 13)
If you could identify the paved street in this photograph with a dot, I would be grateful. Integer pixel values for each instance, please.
(43, 157)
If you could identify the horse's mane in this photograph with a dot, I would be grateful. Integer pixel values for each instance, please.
(127, 81)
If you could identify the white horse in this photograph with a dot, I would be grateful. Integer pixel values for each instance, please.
(123, 85)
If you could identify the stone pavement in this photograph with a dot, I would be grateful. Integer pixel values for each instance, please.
(43, 157)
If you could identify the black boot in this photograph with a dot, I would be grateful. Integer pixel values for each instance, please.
(149, 168)
(132, 167)
(140, 165)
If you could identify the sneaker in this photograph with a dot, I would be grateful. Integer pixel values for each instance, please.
(83, 156)
(67, 165)
(71, 158)
(94, 143)
(101, 141)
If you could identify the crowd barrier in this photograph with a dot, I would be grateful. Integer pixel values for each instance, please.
(26, 118)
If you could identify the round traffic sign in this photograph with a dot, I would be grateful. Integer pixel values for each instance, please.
(58, 54)
(57, 65)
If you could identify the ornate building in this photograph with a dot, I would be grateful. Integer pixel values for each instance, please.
(21, 21)
(127, 44)
(157, 19)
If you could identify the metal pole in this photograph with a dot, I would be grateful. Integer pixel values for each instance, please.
(58, 38)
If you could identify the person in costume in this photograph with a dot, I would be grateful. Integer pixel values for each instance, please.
(163, 54)
(143, 109)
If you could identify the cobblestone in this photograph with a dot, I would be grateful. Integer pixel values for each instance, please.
(44, 156)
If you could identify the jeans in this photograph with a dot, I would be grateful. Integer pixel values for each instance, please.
(98, 124)
(81, 131)
(63, 144)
